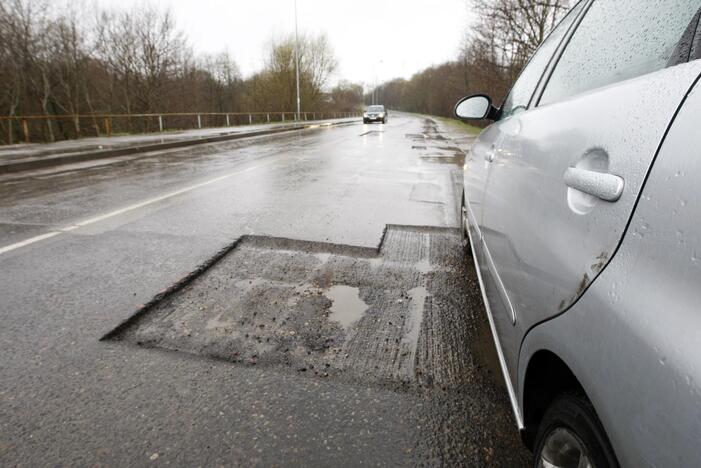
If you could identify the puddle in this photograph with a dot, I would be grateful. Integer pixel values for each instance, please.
(347, 306)
(457, 159)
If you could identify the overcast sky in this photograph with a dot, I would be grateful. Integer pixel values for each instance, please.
(387, 38)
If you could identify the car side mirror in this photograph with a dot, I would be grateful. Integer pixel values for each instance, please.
(475, 107)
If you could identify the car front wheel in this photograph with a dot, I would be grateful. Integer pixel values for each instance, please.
(571, 435)
(463, 225)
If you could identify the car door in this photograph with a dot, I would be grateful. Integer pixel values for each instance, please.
(566, 172)
(477, 168)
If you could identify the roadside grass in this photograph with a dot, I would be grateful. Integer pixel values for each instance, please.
(458, 126)
(453, 124)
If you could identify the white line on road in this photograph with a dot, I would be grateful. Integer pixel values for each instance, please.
(29, 241)
(126, 209)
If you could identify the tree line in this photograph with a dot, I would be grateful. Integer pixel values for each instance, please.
(58, 61)
(495, 48)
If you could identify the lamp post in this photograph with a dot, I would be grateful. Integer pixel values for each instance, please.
(375, 94)
(297, 61)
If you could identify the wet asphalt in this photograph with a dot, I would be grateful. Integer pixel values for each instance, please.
(192, 380)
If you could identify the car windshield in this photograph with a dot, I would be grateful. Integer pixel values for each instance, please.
(376, 109)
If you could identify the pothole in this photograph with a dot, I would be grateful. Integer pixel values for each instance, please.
(324, 309)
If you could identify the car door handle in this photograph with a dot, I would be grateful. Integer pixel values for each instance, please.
(608, 187)
(489, 155)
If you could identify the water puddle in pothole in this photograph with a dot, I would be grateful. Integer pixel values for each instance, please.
(347, 306)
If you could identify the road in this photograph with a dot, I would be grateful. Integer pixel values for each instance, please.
(294, 216)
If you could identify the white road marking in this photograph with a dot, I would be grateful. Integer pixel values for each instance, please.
(121, 211)
(31, 240)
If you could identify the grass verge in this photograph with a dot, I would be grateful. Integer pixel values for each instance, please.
(458, 126)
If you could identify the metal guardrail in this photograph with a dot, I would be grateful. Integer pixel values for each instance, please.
(43, 128)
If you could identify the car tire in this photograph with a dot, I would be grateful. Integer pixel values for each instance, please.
(384, 121)
(464, 235)
(569, 431)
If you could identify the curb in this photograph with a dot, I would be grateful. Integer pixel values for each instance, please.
(67, 158)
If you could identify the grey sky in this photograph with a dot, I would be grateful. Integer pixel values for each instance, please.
(406, 36)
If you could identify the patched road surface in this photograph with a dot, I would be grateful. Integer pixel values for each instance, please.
(301, 299)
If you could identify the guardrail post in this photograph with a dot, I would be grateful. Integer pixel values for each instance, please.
(305, 116)
(283, 116)
(76, 121)
(25, 129)
(160, 123)
(250, 119)
(227, 121)
(199, 121)
(268, 117)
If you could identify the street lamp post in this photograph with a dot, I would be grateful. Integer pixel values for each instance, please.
(375, 94)
(297, 61)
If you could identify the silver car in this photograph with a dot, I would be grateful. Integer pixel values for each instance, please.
(582, 205)
(375, 113)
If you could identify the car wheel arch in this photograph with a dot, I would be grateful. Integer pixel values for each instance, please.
(546, 377)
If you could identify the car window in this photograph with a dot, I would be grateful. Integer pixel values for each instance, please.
(618, 40)
(522, 91)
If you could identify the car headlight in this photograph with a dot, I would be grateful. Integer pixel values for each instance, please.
(381, 115)
(365, 114)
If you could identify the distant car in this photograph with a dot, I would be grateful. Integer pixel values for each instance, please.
(582, 207)
(375, 114)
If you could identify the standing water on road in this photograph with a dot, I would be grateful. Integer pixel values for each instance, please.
(347, 306)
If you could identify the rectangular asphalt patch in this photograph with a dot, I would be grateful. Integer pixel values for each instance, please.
(394, 315)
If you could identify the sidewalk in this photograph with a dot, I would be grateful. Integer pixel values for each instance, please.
(22, 157)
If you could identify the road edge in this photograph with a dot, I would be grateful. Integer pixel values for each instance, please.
(75, 157)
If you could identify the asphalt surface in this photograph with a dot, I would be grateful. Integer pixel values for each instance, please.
(341, 242)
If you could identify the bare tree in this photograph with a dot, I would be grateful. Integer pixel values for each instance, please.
(509, 31)
(275, 85)
(57, 62)
(143, 49)
(495, 49)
